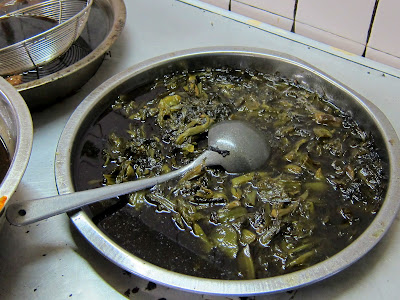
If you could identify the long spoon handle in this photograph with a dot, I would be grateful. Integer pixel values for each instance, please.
(30, 211)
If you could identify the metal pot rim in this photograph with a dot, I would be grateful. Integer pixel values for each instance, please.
(368, 239)
(24, 140)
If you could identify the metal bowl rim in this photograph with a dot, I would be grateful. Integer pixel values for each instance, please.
(24, 141)
(358, 248)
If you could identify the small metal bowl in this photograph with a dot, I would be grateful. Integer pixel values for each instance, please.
(16, 131)
(364, 112)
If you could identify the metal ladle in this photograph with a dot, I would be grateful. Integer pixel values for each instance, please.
(235, 145)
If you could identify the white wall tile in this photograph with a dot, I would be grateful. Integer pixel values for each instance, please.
(347, 18)
(284, 8)
(220, 3)
(329, 38)
(384, 34)
(261, 15)
(383, 57)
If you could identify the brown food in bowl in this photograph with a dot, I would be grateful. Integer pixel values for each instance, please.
(14, 79)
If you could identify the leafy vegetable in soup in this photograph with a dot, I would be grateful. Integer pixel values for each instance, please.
(320, 189)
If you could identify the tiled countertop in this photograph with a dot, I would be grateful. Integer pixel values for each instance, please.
(51, 260)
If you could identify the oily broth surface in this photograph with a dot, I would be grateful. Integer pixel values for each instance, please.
(318, 192)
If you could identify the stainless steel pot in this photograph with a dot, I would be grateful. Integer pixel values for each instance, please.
(367, 114)
(16, 131)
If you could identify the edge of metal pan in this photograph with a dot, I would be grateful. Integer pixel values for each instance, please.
(16, 132)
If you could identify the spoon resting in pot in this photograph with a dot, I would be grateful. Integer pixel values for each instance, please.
(234, 145)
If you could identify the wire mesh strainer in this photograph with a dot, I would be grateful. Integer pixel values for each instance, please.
(70, 17)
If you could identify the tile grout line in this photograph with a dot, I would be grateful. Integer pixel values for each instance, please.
(370, 26)
(296, 2)
(298, 39)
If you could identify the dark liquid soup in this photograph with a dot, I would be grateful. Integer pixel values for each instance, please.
(4, 160)
(321, 188)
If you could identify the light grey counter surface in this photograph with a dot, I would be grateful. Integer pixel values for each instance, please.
(51, 260)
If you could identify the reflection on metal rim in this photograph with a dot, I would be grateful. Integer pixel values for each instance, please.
(16, 130)
(368, 115)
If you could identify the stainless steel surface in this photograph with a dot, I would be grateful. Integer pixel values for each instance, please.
(246, 149)
(71, 17)
(51, 260)
(365, 113)
(17, 134)
(105, 24)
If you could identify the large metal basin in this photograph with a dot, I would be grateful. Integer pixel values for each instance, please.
(367, 114)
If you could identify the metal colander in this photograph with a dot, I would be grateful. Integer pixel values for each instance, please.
(70, 17)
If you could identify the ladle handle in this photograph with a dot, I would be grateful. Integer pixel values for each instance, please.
(30, 211)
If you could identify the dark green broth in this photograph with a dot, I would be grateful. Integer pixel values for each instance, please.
(321, 188)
